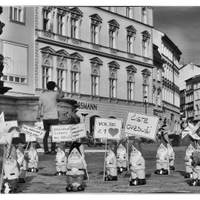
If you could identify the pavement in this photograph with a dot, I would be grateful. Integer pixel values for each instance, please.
(45, 182)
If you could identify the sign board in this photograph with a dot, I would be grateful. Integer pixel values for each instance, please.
(78, 131)
(107, 128)
(32, 133)
(61, 133)
(141, 125)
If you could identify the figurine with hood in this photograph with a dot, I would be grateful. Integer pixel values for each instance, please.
(76, 166)
(61, 160)
(111, 163)
(22, 163)
(196, 167)
(11, 171)
(122, 157)
(32, 158)
(162, 158)
(137, 164)
(188, 158)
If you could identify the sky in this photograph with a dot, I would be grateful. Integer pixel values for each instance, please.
(182, 26)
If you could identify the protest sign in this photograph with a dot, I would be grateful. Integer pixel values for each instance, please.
(141, 125)
(107, 128)
(32, 133)
(61, 133)
(78, 131)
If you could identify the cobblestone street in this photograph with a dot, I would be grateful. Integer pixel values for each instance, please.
(45, 182)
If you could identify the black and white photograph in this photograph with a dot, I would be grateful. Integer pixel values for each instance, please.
(99, 99)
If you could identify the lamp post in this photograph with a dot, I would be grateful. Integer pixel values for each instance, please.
(145, 103)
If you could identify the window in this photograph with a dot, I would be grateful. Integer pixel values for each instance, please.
(60, 75)
(95, 83)
(113, 31)
(145, 43)
(131, 32)
(111, 38)
(113, 86)
(131, 70)
(95, 76)
(146, 73)
(76, 15)
(17, 13)
(113, 79)
(46, 18)
(46, 72)
(95, 28)
(15, 62)
(74, 28)
(75, 79)
(60, 24)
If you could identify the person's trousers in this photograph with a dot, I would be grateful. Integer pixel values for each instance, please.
(47, 124)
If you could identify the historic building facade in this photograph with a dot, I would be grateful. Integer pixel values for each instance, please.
(100, 56)
(170, 55)
(192, 99)
(17, 47)
(106, 58)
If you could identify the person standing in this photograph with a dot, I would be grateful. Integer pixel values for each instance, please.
(48, 103)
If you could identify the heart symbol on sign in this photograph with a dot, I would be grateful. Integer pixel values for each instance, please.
(113, 131)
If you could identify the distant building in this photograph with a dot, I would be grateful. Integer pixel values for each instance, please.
(192, 99)
(187, 71)
(170, 56)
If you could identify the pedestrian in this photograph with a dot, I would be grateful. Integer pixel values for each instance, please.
(48, 103)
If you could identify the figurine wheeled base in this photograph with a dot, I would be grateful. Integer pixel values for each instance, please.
(137, 181)
(121, 169)
(161, 171)
(111, 178)
(188, 175)
(71, 188)
(60, 173)
(194, 182)
(75, 183)
(33, 169)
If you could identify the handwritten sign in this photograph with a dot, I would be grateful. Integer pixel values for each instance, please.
(61, 133)
(141, 125)
(78, 131)
(107, 128)
(32, 133)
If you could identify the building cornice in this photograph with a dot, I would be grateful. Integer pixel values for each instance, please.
(86, 50)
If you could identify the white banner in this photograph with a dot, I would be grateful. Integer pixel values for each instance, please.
(32, 133)
(141, 125)
(61, 133)
(78, 131)
(107, 128)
